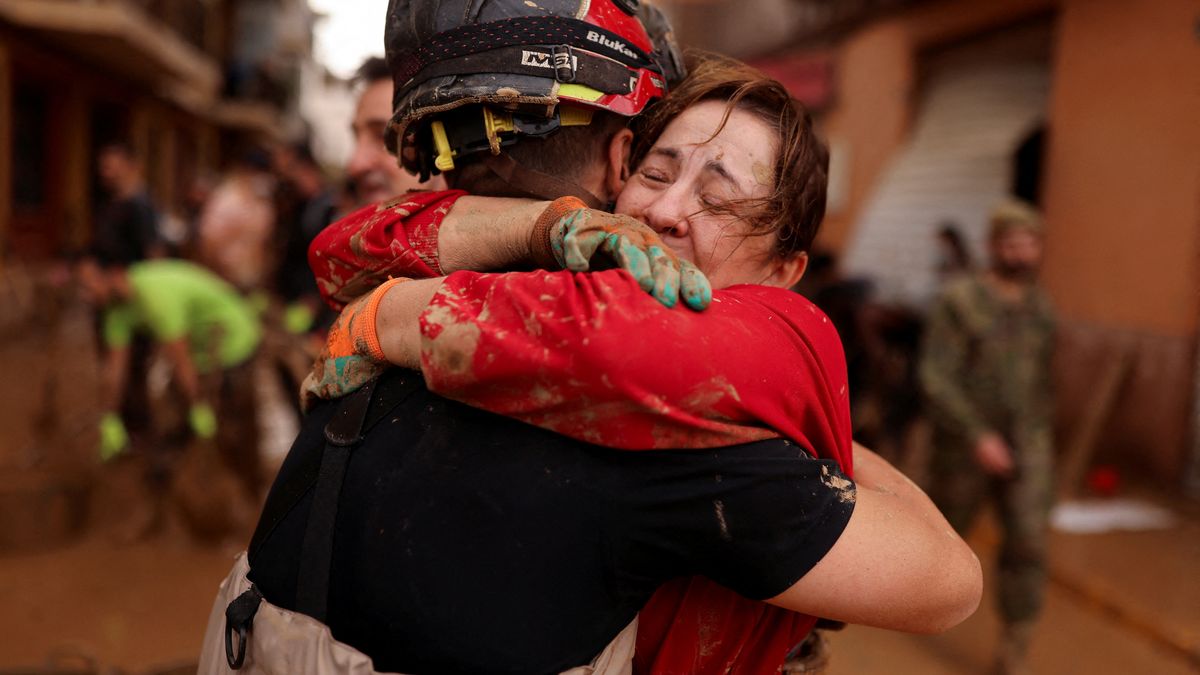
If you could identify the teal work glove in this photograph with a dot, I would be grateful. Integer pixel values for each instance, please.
(113, 437)
(570, 234)
(202, 420)
(298, 318)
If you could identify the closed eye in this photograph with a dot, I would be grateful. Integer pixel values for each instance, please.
(655, 176)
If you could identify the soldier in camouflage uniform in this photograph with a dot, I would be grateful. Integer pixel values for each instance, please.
(985, 371)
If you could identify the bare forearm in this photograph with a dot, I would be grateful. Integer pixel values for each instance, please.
(398, 322)
(872, 472)
(897, 565)
(487, 234)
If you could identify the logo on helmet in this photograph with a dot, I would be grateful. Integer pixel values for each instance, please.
(549, 61)
(615, 45)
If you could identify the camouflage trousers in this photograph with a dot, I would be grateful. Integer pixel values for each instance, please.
(960, 489)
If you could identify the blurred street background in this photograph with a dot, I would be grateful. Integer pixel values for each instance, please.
(232, 120)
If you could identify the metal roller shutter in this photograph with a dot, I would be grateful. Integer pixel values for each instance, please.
(956, 166)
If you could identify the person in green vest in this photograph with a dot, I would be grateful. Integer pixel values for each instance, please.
(208, 333)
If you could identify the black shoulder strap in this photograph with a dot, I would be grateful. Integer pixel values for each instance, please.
(342, 433)
(353, 415)
(391, 389)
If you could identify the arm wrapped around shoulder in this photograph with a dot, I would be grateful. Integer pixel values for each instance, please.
(898, 564)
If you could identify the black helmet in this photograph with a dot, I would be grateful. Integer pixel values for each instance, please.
(517, 60)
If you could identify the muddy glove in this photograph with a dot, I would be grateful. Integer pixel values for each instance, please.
(202, 420)
(352, 355)
(113, 437)
(568, 234)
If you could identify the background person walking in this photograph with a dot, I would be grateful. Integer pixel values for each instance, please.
(985, 371)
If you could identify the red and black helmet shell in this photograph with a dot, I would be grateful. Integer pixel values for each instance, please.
(442, 54)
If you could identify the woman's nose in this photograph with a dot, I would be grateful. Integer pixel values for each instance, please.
(667, 216)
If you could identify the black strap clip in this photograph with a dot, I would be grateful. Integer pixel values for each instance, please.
(239, 618)
(565, 63)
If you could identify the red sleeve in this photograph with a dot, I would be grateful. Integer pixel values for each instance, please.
(397, 238)
(594, 357)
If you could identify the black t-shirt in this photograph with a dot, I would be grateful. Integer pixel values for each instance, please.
(126, 229)
(468, 542)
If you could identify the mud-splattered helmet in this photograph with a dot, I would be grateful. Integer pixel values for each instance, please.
(475, 75)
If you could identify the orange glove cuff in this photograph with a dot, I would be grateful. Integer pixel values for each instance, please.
(539, 240)
(364, 333)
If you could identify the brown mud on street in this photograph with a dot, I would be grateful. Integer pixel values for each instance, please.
(69, 588)
(1075, 634)
(137, 608)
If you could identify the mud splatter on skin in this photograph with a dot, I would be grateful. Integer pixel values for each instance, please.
(844, 488)
(763, 174)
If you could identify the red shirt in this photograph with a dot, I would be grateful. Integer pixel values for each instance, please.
(592, 356)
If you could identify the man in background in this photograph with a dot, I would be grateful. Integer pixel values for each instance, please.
(207, 333)
(235, 228)
(127, 224)
(985, 370)
(126, 232)
(372, 170)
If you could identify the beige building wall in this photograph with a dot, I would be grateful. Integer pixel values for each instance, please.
(874, 77)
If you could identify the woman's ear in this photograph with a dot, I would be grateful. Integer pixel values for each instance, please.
(620, 146)
(787, 273)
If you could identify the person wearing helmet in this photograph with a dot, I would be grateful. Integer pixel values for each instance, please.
(522, 614)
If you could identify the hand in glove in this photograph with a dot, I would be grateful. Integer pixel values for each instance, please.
(352, 355)
(114, 439)
(202, 420)
(570, 234)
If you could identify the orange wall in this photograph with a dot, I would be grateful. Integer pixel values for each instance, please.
(1123, 173)
(874, 80)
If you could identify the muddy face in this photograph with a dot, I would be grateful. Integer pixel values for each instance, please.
(688, 172)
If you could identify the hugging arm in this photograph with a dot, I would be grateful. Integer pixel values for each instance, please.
(593, 357)
(425, 235)
(898, 564)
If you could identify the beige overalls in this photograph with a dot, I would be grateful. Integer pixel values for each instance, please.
(283, 642)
